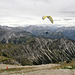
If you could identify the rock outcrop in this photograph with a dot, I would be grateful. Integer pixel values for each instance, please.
(40, 51)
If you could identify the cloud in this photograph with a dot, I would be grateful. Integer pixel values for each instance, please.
(31, 11)
(46, 1)
(57, 20)
(68, 19)
(70, 12)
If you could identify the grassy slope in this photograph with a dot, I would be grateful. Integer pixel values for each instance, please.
(70, 65)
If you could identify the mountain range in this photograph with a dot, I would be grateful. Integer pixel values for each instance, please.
(36, 45)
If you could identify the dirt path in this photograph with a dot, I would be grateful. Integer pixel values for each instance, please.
(35, 70)
(52, 72)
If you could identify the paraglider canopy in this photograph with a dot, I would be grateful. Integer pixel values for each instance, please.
(49, 17)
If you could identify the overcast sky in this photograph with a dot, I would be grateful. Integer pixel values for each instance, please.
(30, 12)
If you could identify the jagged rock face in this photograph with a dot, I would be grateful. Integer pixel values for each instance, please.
(67, 31)
(41, 51)
(27, 49)
(50, 51)
(14, 37)
(9, 33)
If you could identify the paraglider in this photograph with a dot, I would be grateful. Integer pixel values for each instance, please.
(51, 20)
(49, 17)
(46, 32)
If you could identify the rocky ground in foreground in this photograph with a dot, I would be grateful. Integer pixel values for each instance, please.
(34, 70)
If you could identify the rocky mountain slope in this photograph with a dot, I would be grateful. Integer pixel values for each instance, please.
(20, 34)
(67, 31)
(40, 51)
(13, 35)
(53, 31)
(25, 48)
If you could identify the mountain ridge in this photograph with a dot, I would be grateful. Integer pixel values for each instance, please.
(40, 51)
(25, 48)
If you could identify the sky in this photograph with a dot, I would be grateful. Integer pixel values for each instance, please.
(30, 12)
